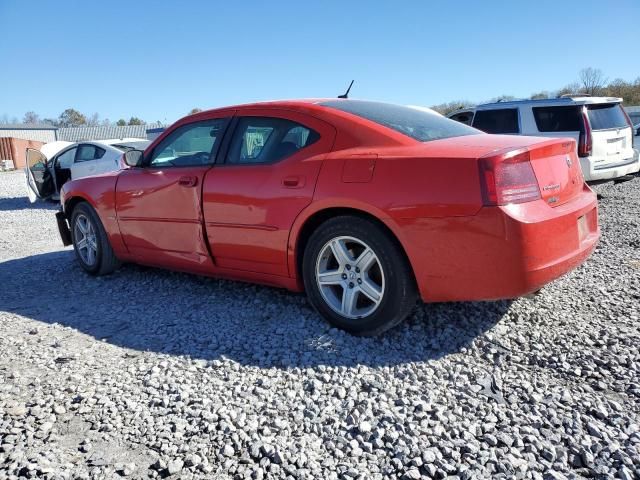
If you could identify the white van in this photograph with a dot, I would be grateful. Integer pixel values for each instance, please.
(600, 126)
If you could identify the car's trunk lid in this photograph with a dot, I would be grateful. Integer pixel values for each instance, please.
(557, 168)
(554, 160)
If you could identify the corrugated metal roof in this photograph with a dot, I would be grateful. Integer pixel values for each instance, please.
(77, 134)
(27, 126)
(36, 134)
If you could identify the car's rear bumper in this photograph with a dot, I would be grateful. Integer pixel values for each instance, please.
(502, 252)
(594, 172)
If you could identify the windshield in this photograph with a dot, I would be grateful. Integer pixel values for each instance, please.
(416, 123)
(606, 115)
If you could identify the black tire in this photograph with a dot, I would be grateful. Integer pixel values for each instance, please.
(399, 292)
(106, 261)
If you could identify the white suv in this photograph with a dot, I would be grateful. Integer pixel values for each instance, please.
(600, 126)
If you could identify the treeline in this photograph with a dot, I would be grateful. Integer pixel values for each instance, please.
(590, 81)
(73, 118)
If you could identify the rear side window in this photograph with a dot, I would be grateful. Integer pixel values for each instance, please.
(503, 120)
(412, 122)
(605, 116)
(558, 119)
(89, 152)
(266, 140)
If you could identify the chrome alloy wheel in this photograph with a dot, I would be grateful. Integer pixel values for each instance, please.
(350, 277)
(86, 243)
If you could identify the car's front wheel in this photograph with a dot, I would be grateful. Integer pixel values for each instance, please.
(90, 241)
(357, 277)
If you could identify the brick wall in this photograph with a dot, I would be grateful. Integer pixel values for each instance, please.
(15, 149)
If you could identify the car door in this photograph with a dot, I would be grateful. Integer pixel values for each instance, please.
(266, 178)
(158, 204)
(40, 182)
(87, 161)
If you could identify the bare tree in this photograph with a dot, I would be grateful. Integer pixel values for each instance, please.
(447, 108)
(31, 118)
(93, 120)
(573, 87)
(502, 98)
(540, 95)
(592, 80)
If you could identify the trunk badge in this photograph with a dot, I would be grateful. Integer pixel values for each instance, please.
(568, 159)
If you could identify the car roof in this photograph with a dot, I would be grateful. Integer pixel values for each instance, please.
(577, 100)
(303, 102)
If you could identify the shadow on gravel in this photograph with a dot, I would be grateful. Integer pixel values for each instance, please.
(147, 309)
(23, 203)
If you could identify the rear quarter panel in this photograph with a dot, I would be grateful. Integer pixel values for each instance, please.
(417, 198)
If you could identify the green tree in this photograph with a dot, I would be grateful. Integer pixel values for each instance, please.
(195, 110)
(135, 121)
(71, 118)
(121, 123)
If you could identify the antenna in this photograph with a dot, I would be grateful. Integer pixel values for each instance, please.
(346, 94)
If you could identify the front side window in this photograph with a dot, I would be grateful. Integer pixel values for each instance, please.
(606, 116)
(267, 140)
(89, 152)
(416, 123)
(503, 120)
(189, 145)
(65, 160)
(558, 119)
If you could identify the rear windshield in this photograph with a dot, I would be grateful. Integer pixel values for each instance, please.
(606, 115)
(499, 120)
(418, 124)
(558, 119)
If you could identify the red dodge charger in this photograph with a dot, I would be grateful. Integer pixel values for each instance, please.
(366, 206)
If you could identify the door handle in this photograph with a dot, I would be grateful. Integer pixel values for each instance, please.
(188, 181)
(293, 182)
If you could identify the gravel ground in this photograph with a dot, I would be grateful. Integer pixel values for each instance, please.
(153, 374)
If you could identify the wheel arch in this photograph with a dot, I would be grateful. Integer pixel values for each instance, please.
(73, 201)
(307, 222)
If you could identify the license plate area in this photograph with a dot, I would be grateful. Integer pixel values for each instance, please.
(615, 145)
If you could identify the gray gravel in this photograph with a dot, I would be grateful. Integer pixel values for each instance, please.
(151, 374)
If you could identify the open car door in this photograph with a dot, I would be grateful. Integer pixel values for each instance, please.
(40, 182)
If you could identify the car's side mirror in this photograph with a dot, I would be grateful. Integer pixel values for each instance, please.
(133, 158)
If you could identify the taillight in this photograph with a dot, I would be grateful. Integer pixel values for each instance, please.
(585, 143)
(508, 178)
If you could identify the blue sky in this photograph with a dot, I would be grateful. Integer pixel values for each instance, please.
(157, 60)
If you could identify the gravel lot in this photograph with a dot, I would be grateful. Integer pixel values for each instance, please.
(150, 374)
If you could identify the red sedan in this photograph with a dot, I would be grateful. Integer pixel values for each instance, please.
(366, 206)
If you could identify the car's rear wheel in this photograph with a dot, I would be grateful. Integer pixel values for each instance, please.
(90, 242)
(357, 277)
